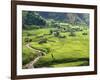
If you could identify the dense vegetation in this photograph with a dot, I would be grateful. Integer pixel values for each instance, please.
(63, 37)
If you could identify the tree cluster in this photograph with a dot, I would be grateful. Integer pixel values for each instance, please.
(32, 18)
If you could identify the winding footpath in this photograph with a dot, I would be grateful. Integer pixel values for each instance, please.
(39, 55)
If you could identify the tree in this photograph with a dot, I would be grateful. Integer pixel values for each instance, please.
(51, 32)
(52, 56)
(56, 33)
(24, 14)
(71, 18)
(32, 18)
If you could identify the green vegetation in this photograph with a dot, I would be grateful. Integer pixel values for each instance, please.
(60, 44)
(28, 55)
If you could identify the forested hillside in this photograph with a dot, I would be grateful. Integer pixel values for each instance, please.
(43, 18)
(74, 18)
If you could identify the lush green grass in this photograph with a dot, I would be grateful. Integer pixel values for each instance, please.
(27, 55)
(63, 52)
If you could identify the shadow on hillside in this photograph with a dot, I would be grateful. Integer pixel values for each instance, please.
(68, 60)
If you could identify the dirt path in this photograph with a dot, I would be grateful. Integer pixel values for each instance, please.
(39, 54)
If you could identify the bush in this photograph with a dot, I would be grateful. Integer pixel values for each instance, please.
(72, 33)
(46, 50)
(42, 41)
(39, 36)
(28, 40)
(29, 27)
(62, 36)
(28, 34)
(51, 32)
(56, 33)
(67, 30)
(81, 29)
(77, 29)
(84, 33)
